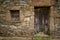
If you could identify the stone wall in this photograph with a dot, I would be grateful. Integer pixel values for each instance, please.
(42, 2)
(26, 17)
(25, 26)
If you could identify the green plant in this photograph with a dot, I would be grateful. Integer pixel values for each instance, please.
(41, 38)
(48, 38)
(37, 38)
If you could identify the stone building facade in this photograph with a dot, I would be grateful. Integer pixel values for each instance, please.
(18, 17)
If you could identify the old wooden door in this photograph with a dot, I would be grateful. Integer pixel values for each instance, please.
(41, 19)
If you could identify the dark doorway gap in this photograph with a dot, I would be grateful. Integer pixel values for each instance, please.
(41, 19)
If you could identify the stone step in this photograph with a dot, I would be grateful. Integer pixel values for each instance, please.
(57, 37)
(57, 34)
(15, 38)
(41, 36)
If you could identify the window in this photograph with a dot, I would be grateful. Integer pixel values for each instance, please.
(14, 15)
